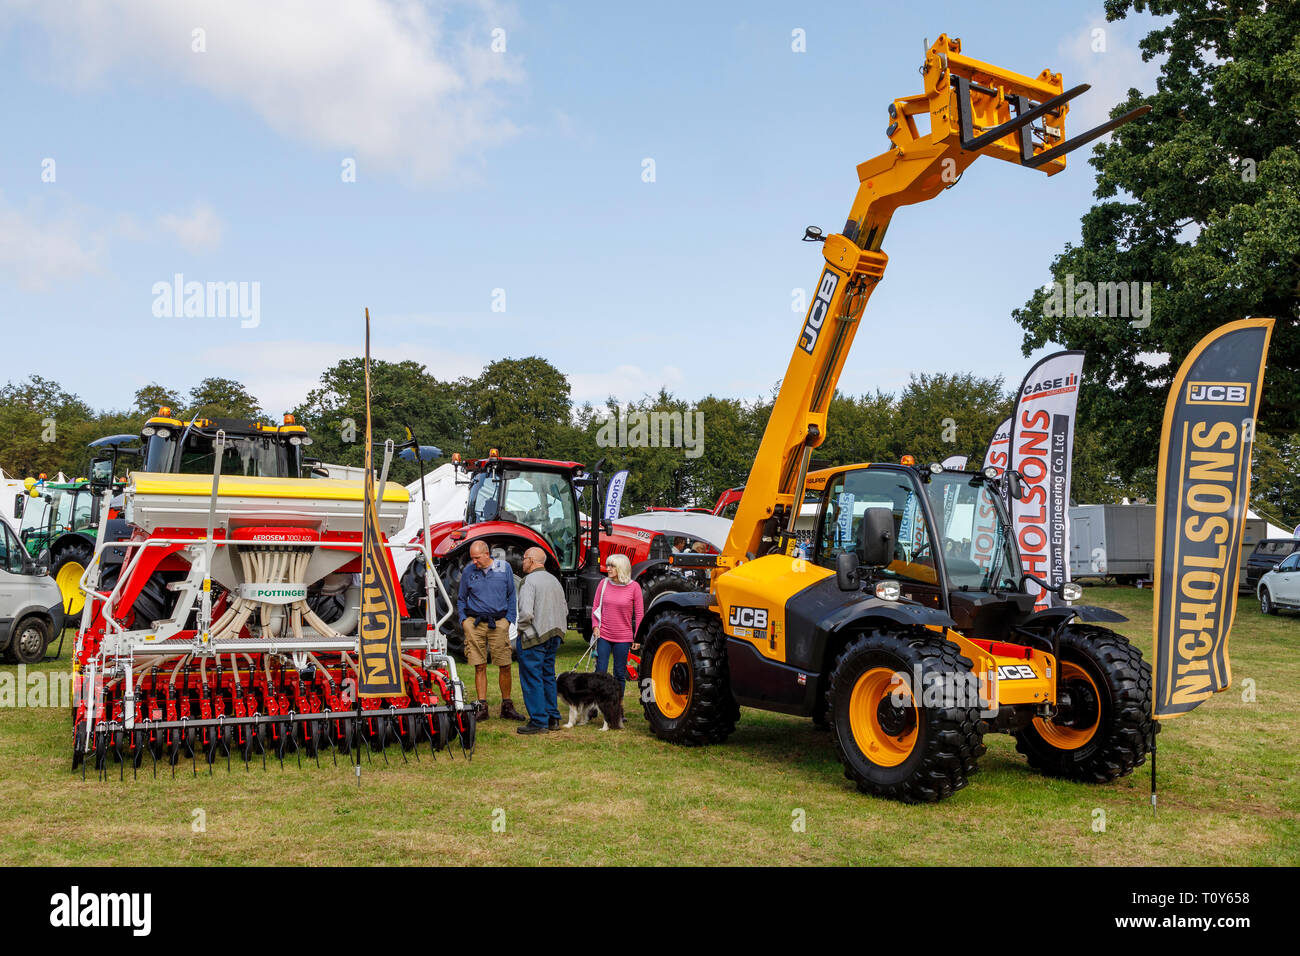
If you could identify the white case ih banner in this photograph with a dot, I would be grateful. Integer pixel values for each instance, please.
(955, 462)
(998, 445)
(1204, 488)
(1041, 450)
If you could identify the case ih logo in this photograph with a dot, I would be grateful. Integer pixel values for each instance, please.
(755, 617)
(1053, 386)
(1218, 393)
(817, 313)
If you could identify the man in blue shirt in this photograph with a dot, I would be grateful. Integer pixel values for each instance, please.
(486, 604)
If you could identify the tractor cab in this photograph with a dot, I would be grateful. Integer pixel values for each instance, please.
(52, 509)
(252, 449)
(953, 546)
(532, 492)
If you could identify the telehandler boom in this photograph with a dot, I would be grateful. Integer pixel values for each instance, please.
(907, 690)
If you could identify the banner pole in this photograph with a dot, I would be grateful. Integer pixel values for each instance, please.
(1153, 773)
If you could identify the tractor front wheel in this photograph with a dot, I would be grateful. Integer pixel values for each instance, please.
(68, 567)
(688, 699)
(1103, 726)
(904, 711)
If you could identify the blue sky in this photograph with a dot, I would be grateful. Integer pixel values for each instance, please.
(520, 171)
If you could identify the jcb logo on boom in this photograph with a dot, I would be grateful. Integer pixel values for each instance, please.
(748, 617)
(817, 313)
(1218, 393)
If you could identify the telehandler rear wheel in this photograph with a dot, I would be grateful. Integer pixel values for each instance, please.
(688, 700)
(891, 743)
(1103, 727)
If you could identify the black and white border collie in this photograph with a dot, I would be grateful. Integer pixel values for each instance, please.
(587, 693)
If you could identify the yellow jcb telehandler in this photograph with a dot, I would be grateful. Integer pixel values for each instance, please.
(908, 650)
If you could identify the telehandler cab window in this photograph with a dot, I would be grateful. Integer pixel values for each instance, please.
(977, 549)
(848, 497)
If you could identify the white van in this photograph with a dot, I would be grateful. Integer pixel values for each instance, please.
(31, 607)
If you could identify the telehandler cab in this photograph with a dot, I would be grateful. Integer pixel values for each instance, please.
(910, 646)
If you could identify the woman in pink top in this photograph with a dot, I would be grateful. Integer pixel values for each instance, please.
(615, 616)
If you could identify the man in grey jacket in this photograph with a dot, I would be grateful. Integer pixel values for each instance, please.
(543, 619)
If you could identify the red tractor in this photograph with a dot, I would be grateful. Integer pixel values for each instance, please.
(519, 503)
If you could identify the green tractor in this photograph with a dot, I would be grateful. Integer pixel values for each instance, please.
(60, 520)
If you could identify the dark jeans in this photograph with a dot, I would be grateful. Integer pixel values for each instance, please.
(537, 680)
(618, 651)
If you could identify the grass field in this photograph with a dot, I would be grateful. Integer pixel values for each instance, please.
(1228, 794)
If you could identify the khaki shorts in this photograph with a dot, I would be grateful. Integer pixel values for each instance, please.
(479, 641)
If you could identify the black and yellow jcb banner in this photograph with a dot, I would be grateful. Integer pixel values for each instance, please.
(1204, 490)
(380, 631)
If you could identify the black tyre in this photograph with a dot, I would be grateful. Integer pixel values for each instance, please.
(28, 640)
(1103, 728)
(327, 605)
(891, 746)
(153, 603)
(1266, 605)
(68, 566)
(664, 582)
(414, 594)
(684, 656)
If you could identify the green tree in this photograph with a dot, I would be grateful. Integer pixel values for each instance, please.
(946, 414)
(1201, 198)
(519, 406)
(39, 428)
(149, 398)
(858, 429)
(222, 398)
(402, 393)
(1275, 484)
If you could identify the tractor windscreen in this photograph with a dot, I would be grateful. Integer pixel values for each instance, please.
(978, 550)
(541, 500)
(259, 456)
(36, 515)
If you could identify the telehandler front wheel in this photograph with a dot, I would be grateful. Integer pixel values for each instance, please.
(686, 690)
(904, 711)
(1103, 727)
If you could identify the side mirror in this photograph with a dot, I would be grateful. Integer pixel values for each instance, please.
(846, 571)
(1014, 485)
(876, 537)
(101, 472)
(19, 501)
(318, 472)
(607, 526)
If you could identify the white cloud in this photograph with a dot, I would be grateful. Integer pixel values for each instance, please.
(197, 230)
(396, 83)
(1111, 71)
(627, 383)
(37, 252)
